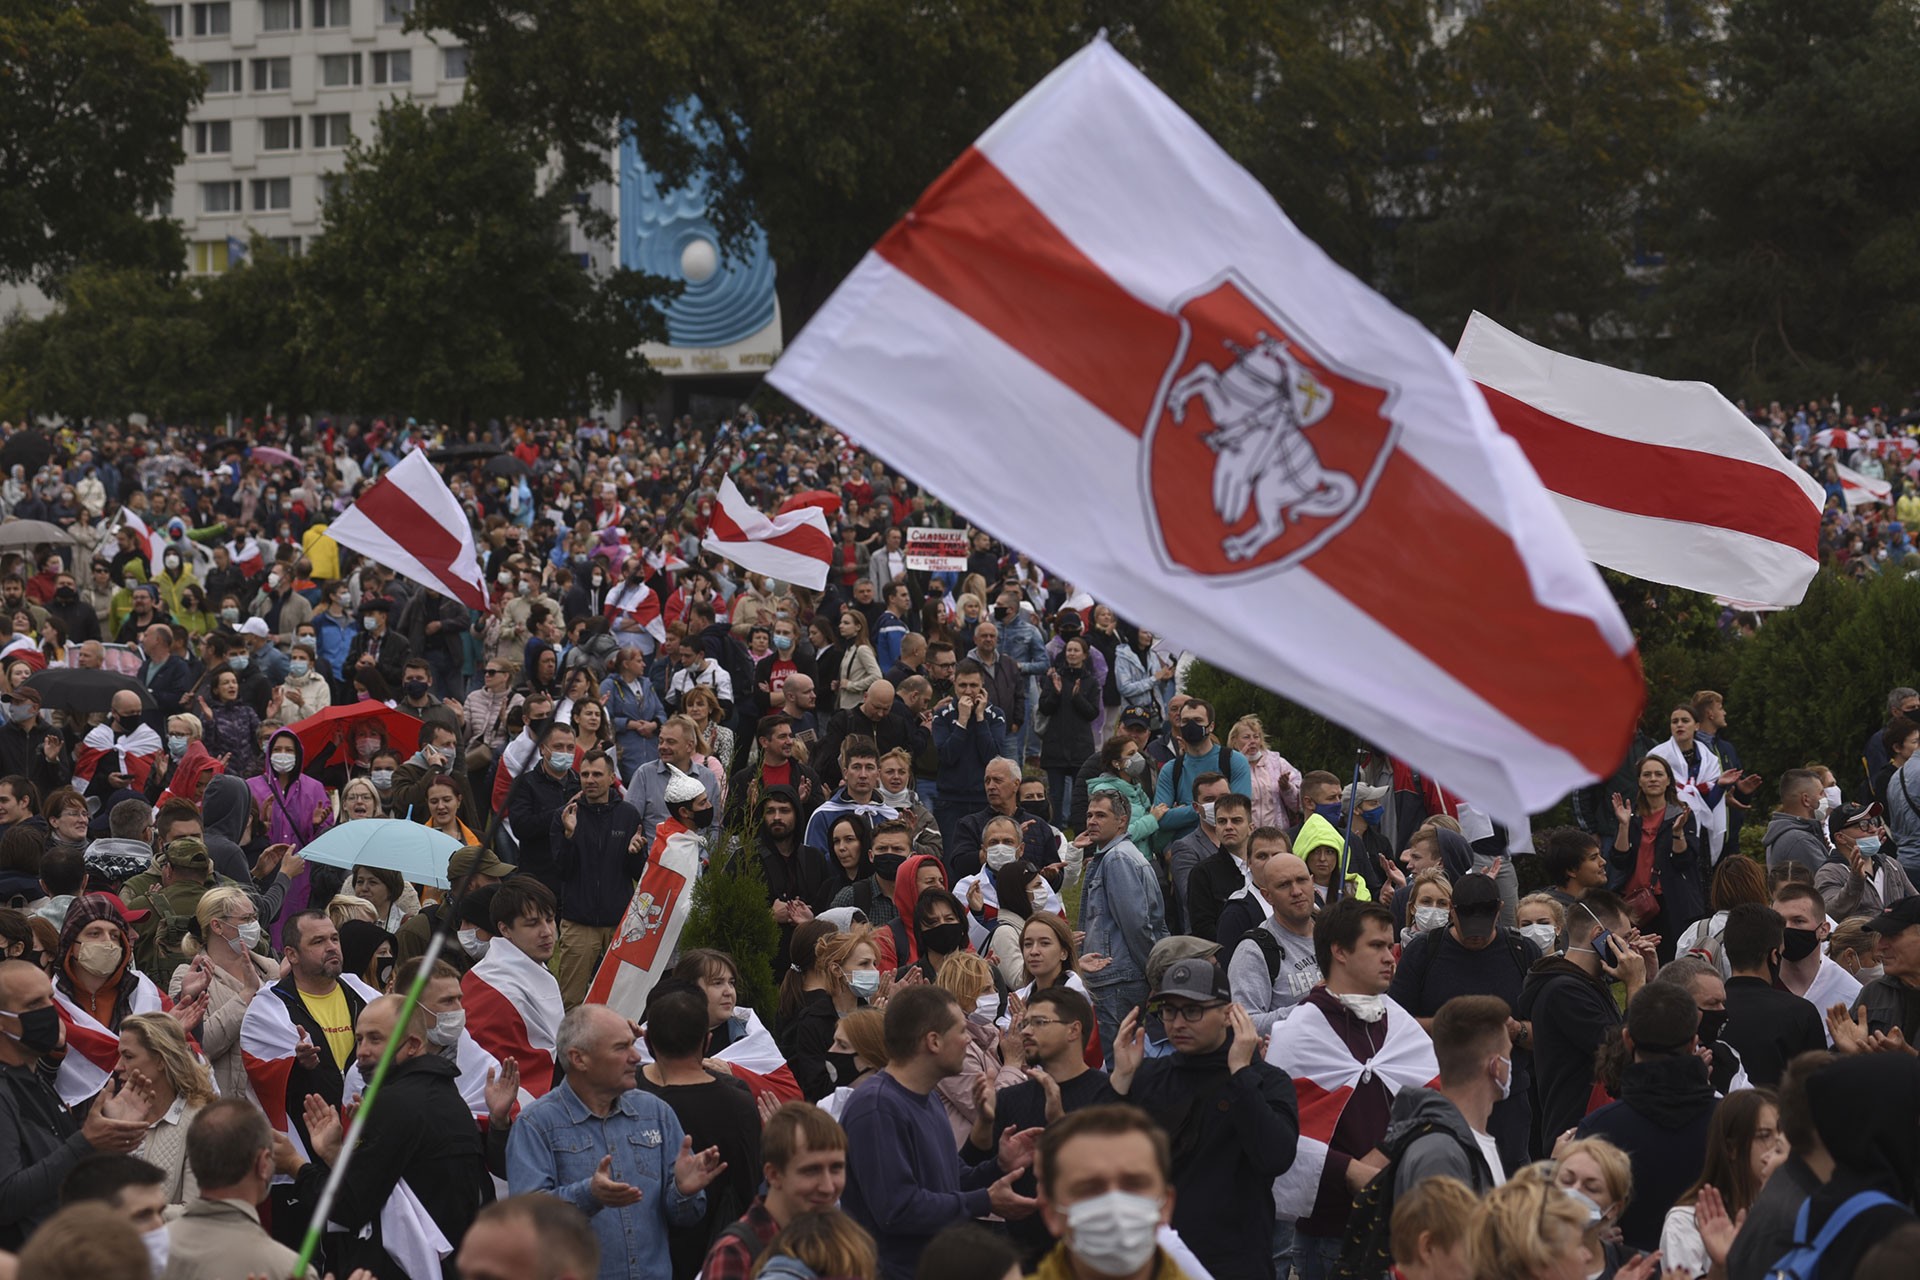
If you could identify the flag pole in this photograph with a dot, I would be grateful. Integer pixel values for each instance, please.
(1339, 884)
(337, 1175)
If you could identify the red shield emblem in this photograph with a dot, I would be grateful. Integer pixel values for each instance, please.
(1259, 450)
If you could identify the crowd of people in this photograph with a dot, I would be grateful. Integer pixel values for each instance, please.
(1078, 975)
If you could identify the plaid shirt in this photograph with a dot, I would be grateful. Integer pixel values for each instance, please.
(731, 1258)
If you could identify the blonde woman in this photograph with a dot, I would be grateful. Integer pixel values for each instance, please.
(713, 741)
(1541, 919)
(832, 974)
(1598, 1177)
(360, 799)
(1530, 1229)
(226, 965)
(153, 1045)
(1276, 783)
(995, 1059)
(823, 1244)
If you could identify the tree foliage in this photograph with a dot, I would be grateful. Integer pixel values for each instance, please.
(123, 340)
(729, 913)
(93, 104)
(442, 283)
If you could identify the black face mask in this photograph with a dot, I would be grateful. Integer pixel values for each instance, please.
(417, 688)
(1193, 733)
(700, 819)
(127, 723)
(65, 595)
(1711, 1022)
(1799, 944)
(39, 1030)
(1041, 808)
(945, 938)
(841, 1069)
(887, 865)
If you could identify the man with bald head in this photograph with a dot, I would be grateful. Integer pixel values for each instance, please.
(92, 656)
(426, 1138)
(799, 702)
(1039, 842)
(119, 753)
(877, 717)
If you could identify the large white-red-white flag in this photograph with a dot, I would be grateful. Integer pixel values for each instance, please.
(409, 520)
(1666, 481)
(795, 546)
(513, 1011)
(1859, 490)
(1193, 413)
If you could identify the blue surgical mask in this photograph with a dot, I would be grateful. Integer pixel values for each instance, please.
(1374, 816)
(239, 661)
(864, 982)
(783, 643)
(1331, 812)
(176, 745)
(297, 668)
(1867, 845)
(560, 761)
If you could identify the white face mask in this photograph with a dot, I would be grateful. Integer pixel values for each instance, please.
(1113, 1234)
(1365, 1008)
(896, 799)
(1039, 899)
(1206, 813)
(986, 1008)
(247, 936)
(447, 1027)
(157, 1244)
(1541, 935)
(1869, 973)
(283, 762)
(473, 943)
(1506, 1081)
(864, 982)
(1000, 855)
(1427, 919)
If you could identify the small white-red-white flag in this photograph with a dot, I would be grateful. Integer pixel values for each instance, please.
(410, 521)
(795, 546)
(1861, 490)
(1098, 337)
(150, 543)
(1666, 481)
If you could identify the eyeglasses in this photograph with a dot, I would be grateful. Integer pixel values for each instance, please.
(1187, 1012)
(1044, 1022)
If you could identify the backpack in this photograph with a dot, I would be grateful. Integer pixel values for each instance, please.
(1269, 947)
(1227, 754)
(1367, 1252)
(1802, 1262)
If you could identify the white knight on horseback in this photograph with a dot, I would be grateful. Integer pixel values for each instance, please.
(1260, 405)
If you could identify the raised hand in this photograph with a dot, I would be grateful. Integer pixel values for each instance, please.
(570, 816)
(1245, 1045)
(190, 1010)
(767, 1104)
(1018, 1148)
(1129, 1051)
(985, 1097)
(1621, 810)
(1007, 1202)
(325, 1133)
(1049, 1090)
(609, 1190)
(1396, 878)
(502, 1089)
(693, 1170)
(1716, 1229)
(976, 897)
(1849, 1031)
(305, 1053)
(1094, 962)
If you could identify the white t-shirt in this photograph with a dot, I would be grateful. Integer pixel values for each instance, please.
(1491, 1151)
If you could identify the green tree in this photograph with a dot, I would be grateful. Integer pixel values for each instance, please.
(822, 120)
(93, 104)
(120, 341)
(1554, 125)
(442, 284)
(1797, 264)
(729, 913)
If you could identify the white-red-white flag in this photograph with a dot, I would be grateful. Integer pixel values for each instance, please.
(1098, 337)
(513, 1011)
(794, 547)
(150, 543)
(1861, 490)
(409, 520)
(1666, 481)
(93, 1050)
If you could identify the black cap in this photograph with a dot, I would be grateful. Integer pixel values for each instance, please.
(1199, 980)
(1847, 814)
(1897, 918)
(1476, 902)
(1135, 718)
(375, 604)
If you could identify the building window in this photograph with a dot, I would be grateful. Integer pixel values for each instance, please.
(289, 245)
(220, 197)
(395, 67)
(333, 130)
(213, 19)
(339, 70)
(222, 77)
(172, 19)
(280, 133)
(212, 137)
(395, 12)
(454, 64)
(279, 15)
(330, 185)
(209, 256)
(272, 75)
(332, 13)
(272, 194)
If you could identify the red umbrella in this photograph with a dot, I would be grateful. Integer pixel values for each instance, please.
(821, 498)
(267, 453)
(318, 732)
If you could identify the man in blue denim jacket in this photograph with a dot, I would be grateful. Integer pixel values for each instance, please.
(1121, 911)
(614, 1153)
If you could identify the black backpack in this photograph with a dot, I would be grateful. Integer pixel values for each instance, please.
(1367, 1251)
(1269, 947)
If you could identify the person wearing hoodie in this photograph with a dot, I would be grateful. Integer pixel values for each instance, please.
(1665, 1108)
(1568, 1001)
(1233, 1117)
(1316, 834)
(1793, 833)
(1866, 1110)
(226, 807)
(297, 810)
(1475, 1052)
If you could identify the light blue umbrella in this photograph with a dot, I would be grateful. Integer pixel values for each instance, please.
(419, 853)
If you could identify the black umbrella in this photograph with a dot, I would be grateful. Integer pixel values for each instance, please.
(83, 691)
(471, 449)
(507, 465)
(29, 449)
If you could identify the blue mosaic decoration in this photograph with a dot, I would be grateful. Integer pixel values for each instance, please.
(728, 297)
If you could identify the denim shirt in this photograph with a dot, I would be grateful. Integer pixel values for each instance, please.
(557, 1144)
(1122, 912)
